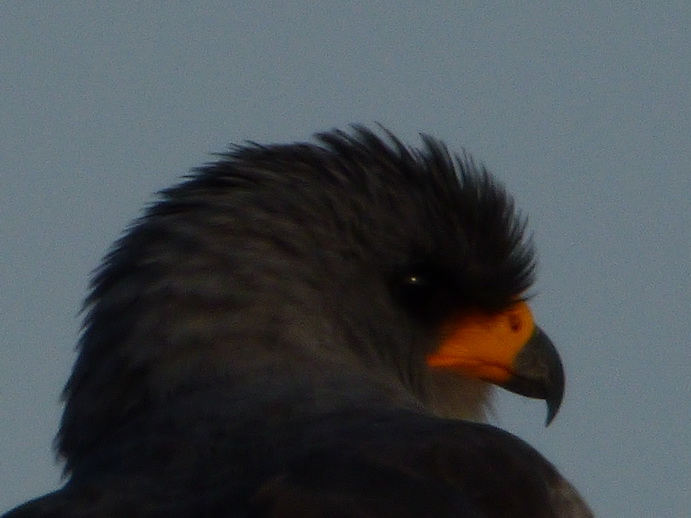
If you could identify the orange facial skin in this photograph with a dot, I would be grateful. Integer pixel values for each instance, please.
(485, 346)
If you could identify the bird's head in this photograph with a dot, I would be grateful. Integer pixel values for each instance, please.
(439, 270)
(306, 261)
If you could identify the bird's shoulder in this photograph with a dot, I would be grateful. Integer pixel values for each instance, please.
(425, 467)
(410, 466)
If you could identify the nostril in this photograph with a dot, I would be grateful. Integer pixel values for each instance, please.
(515, 323)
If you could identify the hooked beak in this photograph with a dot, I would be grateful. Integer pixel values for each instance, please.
(506, 349)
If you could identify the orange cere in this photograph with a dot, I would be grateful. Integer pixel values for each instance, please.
(484, 345)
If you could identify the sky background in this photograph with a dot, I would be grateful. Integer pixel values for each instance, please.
(583, 112)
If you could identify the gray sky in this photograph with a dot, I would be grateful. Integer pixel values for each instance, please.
(583, 112)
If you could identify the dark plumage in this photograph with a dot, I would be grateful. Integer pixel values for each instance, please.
(259, 344)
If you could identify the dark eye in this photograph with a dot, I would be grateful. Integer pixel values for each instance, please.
(415, 281)
(417, 290)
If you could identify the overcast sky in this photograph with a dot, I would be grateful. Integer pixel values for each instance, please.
(583, 112)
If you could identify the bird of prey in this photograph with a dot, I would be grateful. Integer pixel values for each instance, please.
(307, 330)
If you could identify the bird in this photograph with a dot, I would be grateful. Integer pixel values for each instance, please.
(313, 329)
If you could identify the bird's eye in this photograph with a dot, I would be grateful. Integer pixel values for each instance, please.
(417, 283)
(415, 280)
(416, 290)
